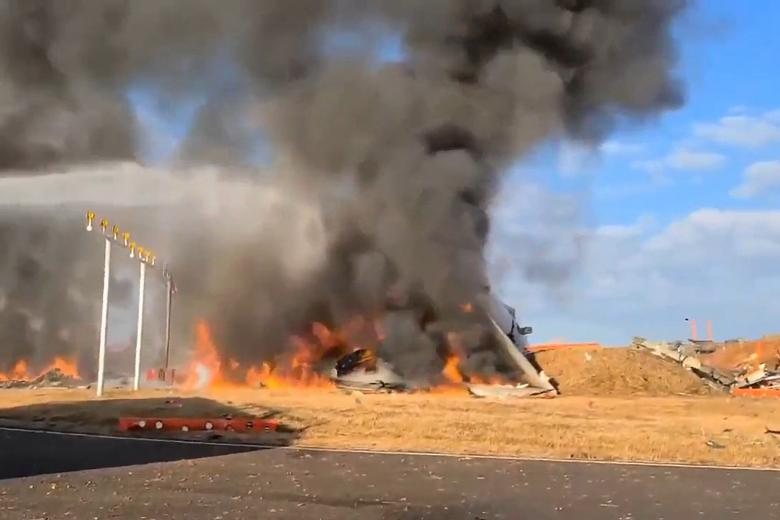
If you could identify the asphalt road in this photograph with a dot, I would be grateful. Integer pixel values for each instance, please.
(300, 484)
(23, 454)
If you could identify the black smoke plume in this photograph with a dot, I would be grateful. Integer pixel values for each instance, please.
(378, 201)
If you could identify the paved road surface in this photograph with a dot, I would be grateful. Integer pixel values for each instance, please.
(294, 484)
(23, 454)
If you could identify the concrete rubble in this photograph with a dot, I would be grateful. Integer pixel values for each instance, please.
(745, 379)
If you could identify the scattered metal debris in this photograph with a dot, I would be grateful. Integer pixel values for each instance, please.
(505, 391)
(360, 358)
(362, 371)
(51, 379)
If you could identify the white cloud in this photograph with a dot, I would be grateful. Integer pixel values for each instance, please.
(747, 235)
(742, 130)
(642, 279)
(759, 179)
(575, 158)
(681, 159)
(626, 231)
(620, 148)
(773, 115)
(695, 161)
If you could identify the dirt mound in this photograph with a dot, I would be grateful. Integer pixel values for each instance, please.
(618, 372)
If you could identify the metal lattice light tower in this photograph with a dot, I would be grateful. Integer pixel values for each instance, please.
(145, 258)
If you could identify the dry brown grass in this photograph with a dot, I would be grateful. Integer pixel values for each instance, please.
(669, 429)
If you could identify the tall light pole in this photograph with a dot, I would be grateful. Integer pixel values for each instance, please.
(104, 308)
(140, 333)
(170, 289)
(145, 258)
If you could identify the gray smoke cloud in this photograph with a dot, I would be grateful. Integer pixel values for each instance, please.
(384, 172)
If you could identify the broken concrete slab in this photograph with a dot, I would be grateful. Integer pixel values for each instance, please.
(691, 362)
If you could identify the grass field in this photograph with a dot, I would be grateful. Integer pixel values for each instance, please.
(668, 429)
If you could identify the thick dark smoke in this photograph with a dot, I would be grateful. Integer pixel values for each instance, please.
(384, 173)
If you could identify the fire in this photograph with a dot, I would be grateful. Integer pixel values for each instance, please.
(452, 370)
(307, 361)
(263, 376)
(21, 370)
(296, 368)
(68, 368)
(206, 367)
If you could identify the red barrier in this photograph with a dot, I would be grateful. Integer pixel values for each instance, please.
(545, 347)
(196, 424)
(756, 392)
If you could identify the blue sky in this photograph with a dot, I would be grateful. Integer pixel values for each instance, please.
(670, 219)
(729, 65)
(699, 183)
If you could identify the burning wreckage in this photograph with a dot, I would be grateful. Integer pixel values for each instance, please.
(362, 370)
(405, 169)
(356, 357)
(61, 373)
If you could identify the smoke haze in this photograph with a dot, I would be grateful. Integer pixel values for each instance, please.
(378, 199)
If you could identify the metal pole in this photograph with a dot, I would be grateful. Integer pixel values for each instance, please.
(104, 319)
(168, 305)
(140, 333)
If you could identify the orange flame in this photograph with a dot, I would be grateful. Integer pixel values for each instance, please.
(68, 368)
(21, 370)
(205, 368)
(295, 369)
(451, 370)
(307, 363)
